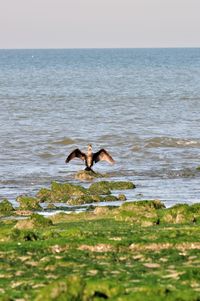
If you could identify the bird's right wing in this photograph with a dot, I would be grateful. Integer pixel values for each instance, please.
(76, 154)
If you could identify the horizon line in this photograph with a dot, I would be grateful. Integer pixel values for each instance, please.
(98, 48)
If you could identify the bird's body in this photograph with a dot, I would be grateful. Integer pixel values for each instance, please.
(90, 158)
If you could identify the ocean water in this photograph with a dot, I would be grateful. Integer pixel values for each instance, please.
(142, 105)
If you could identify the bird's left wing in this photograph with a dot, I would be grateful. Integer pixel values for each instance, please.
(102, 154)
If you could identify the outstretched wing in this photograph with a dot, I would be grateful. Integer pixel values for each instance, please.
(75, 154)
(102, 154)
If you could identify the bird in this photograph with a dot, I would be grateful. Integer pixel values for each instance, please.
(90, 158)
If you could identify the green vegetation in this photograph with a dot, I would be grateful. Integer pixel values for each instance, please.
(139, 251)
(105, 187)
(77, 195)
(28, 203)
(60, 192)
(6, 208)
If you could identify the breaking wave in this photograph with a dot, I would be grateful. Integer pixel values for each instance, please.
(171, 142)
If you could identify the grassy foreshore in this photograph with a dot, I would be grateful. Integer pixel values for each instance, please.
(138, 251)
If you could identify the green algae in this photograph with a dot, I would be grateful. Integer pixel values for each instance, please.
(105, 187)
(40, 221)
(28, 203)
(60, 192)
(145, 213)
(121, 185)
(76, 195)
(66, 289)
(181, 213)
(108, 253)
(6, 207)
(93, 198)
(101, 187)
(85, 199)
(121, 197)
(30, 229)
(35, 221)
(76, 288)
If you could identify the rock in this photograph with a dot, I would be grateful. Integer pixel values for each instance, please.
(110, 198)
(101, 187)
(40, 221)
(87, 175)
(88, 199)
(60, 192)
(121, 197)
(35, 221)
(121, 185)
(85, 199)
(6, 207)
(44, 195)
(144, 213)
(28, 203)
(105, 187)
(51, 206)
(102, 211)
(23, 212)
(24, 224)
(179, 214)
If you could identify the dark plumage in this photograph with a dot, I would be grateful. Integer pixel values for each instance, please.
(90, 158)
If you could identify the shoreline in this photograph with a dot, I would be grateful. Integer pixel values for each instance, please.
(138, 251)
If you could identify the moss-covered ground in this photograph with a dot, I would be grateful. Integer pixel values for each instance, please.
(139, 251)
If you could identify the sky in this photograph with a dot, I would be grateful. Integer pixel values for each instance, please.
(99, 23)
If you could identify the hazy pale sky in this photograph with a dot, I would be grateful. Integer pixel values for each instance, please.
(99, 23)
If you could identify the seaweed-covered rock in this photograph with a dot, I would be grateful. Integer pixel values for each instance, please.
(145, 213)
(102, 211)
(121, 197)
(85, 199)
(28, 203)
(121, 185)
(105, 187)
(142, 205)
(60, 192)
(110, 198)
(40, 221)
(180, 214)
(67, 188)
(86, 175)
(51, 206)
(6, 207)
(44, 195)
(88, 199)
(35, 221)
(101, 187)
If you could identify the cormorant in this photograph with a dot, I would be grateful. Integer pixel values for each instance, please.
(90, 158)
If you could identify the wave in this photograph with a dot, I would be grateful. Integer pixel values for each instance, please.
(46, 155)
(64, 141)
(171, 142)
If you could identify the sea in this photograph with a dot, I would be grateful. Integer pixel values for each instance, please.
(141, 105)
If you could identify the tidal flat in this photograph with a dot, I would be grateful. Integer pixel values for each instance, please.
(137, 251)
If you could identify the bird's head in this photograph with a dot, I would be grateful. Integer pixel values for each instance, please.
(89, 147)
